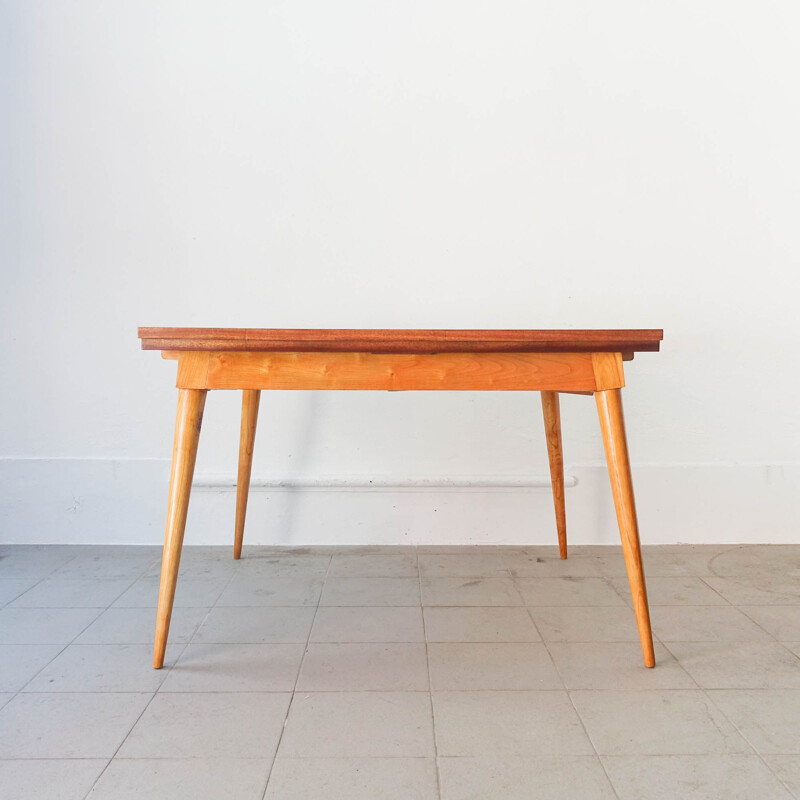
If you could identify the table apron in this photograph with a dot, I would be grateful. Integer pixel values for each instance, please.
(577, 372)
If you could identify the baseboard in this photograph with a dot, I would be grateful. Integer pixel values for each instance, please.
(108, 501)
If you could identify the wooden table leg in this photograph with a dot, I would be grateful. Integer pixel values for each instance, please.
(247, 438)
(612, 423)
(552, 429)
(184, 451)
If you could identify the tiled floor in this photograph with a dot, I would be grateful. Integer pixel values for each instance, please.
(400, 673)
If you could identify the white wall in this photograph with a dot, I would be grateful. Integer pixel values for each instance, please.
(399, 164)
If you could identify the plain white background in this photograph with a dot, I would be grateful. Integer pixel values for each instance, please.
(399, 164)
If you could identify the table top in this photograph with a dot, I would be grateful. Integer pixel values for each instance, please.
(306, 340)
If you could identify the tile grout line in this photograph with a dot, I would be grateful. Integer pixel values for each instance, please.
(135, 723)
(66, 645)
(708, 697)
(41, 579)
(569, 696)
(771, 635)
(146, 706)
(296, 680)
(752, 746)
(738, 730)
(430, 682)
(234, 573)
(702, 578)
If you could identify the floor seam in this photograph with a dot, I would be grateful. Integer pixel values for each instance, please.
(750, 744)
(149, 702)
(572, 703)
(430, 684)
(296, 680)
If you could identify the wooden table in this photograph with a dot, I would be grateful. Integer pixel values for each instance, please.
(251, 359)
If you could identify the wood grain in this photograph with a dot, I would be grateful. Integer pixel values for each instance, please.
(400, 340)
(192, 369)
(247, 439)
(608, 370)
(612, 424)
(397, 372)
(184, 452)
(552, 429)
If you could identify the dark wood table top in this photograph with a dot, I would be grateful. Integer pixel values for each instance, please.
(399, 340)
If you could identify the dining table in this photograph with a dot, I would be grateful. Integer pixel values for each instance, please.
(252, 360)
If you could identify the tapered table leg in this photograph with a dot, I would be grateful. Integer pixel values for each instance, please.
(184, 451)
(552, 429)
(612, 423)
(247, 438)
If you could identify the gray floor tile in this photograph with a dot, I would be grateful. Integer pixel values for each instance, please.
(739, 665)
(672, 722)
(200, 565)
(787, 769)
(585, 623)
(271, 591)
(208, 725)
(353, 779)
(137, 626)
(531, 565)
(371, 592)
(235, 668)
(704, 624)
(757, 559)
(20, 662)
(479, 624)
(103, 668)
(782, 622)
(363, 724)
(44, 625)
(768, 718)
(470, 592)
(11, 588)
(108, 561)
(299, 566)
(183, 779)
(568, 592)
(517, 777)
(82, 725)
(82, 593)
(27, 562)
(388, 667)
(473, 666)
(464, 565)
(366, 566)
(190, 592)
(368, 624)
(216, 720)
(256, 624)
(758, 590)
(364, 549)
(466, 549)
(707, 777)
(793, 646)
(611, 564)
(676, 591)
(507, 723)
(49, 779)
(673, 560)
(615, 665)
